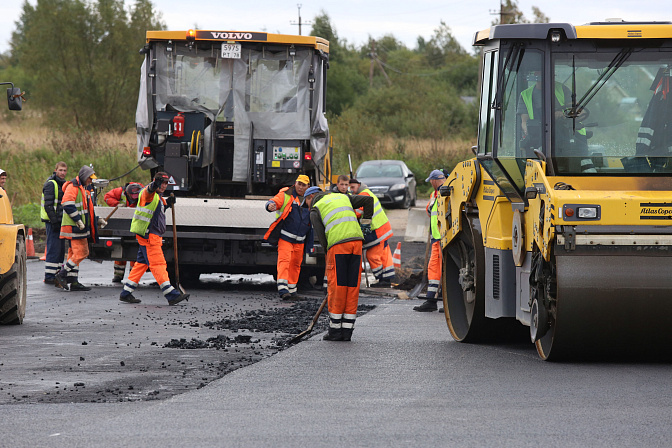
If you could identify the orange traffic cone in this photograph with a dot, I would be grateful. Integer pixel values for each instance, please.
(396, 257)
(44, 257)
(30, 246)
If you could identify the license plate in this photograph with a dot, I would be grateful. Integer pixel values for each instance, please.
(231, 51)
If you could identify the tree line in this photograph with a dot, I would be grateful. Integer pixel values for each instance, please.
(79, 59)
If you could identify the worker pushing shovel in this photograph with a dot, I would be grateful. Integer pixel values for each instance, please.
(149, 224)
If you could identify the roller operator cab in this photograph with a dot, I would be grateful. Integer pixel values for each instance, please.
(563, 221)
(232, 113)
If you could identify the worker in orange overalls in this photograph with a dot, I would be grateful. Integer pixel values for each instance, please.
(292, 232)
(149, 225)
(376, 244)
(335, 223)
(77, 225)
(436, 178)
(126, 196)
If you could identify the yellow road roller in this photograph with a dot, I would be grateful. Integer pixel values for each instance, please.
(563, 220)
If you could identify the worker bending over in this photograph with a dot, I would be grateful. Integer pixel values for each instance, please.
(126, 196)
(292, 232)
(376, 243)
(149, 225)
(335, 223)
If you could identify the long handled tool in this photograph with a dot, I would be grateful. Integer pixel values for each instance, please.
(177, 264)
(423, 283)
(366, 273)
(312, 324)
(112, 212)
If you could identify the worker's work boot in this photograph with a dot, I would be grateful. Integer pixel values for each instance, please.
(178, 299)
(384, 283)
(76, 286)
(129, 298)
(61, 279)
(286, 296)
(334, 334)
(347, 333)
(427, 306)
(117, 279)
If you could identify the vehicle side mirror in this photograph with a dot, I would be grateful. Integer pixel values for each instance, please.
(14, 100)
(410, 175)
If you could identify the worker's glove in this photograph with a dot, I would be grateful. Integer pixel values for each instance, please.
(170, 201)
(55, 222)
(80, 225)
(366, 229)
(102, 223)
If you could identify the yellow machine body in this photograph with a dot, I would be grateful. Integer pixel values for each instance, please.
(563, 220)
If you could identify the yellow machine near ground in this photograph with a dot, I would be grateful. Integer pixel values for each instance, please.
(12, 247)
(563, 220)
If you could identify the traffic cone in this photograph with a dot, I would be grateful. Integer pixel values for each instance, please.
(396, 257)
(30, 246)
(44, 257)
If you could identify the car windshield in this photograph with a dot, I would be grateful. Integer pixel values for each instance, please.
(626, 125)
(379, 171)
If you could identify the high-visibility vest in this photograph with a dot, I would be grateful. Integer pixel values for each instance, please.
(143, 215)
(339, 219)
(559, 94)
(43, 212)
(379, 217)
(79, 204)
(434, 216)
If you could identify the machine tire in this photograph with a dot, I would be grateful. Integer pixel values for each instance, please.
(13, 287)
(464, 260)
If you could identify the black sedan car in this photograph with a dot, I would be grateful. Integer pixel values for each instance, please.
(390, 180)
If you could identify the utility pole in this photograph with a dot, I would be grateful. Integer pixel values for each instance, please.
(502, 12)
(299, 22)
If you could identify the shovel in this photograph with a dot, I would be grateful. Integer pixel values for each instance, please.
(298, 337)
(112, 213)
(177, 264)
(423, 283)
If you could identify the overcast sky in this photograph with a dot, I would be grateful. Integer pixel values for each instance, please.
(356, 20)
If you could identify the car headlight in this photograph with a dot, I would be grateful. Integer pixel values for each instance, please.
(398, 187)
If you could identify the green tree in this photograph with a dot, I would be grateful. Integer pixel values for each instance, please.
(441, 47)
(84, 59)
(344, 82)
(511, 13)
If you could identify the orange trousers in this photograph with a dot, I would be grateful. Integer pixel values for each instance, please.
(380, 260)
(77, 252)
(290, 256)
(150, 256)
(434, 270)
(344, 274)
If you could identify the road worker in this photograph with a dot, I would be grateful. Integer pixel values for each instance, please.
(292, 232)
(51, 214)
(335, 223)
(149, 225)
(78, 225)
(342, 185)
(436, 178)
(376, 244)
(126, 196)
(3, 178)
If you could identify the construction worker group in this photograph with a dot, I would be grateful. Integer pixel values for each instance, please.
(68, 213)
(348, 221)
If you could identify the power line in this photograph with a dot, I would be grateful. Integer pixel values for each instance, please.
(300, 22)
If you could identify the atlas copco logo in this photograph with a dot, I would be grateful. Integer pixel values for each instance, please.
(231, 35)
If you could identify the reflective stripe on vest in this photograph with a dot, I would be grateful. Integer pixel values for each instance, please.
(68, 218)
(339, 219)
(142, 216)
(379, 218)
(43, 212)
(288, 201)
